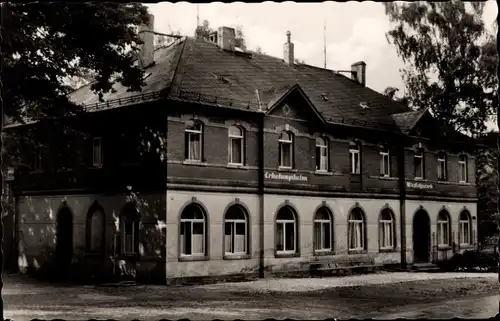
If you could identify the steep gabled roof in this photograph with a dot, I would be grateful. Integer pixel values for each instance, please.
(406, 121)
(197, 70)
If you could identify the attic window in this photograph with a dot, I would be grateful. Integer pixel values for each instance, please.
(146, 76)
(364, 105)
(325, 98)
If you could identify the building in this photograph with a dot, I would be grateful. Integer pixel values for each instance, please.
(264, 166)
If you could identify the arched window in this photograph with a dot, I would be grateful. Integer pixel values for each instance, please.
(286, 231)
(441, 169)
(321, 154)
(130, 220)
(323, 230)
(193, 140)
(462, 167)
(418, 164)
(465, 228)
(286, 150)
(235, 231)
(236, 144)
(385, 162)
(356, 230)
(193, 231)
(95, 226)
(443, 229)
(354, 152)
(386, 230)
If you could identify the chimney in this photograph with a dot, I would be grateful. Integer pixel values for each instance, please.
(146, 55)
(288, 50)
(226, 38)
(359, 72)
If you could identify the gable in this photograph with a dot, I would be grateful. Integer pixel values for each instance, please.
(294, 104)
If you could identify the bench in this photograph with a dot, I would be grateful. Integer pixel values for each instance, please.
(342, 263)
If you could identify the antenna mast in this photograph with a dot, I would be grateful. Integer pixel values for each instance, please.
(197, 15)
(324, 39)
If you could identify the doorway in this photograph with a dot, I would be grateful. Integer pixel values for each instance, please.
(421, 237)
(64, 243)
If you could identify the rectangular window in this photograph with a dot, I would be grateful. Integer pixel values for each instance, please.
(285, 237)
(235, 238)
(322, 236)
(356, 235)
(384, 162)
(441, 170)
(443, 237)
(38, 158)
(355, 160)
(418, 160)
(386, 235)
(321, 155)
(286, 155)
(462, 167)
(464, 232)
(236, 151)
(129, 239)
(192, 237)
(97, 152)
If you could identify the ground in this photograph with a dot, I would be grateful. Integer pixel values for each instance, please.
(382, 295)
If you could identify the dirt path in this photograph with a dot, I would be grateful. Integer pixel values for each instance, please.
(351, 297)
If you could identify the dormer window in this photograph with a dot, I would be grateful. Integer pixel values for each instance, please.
(418, 163)
(286, 150)
(321, 154)
(441, 169)
(354, 154)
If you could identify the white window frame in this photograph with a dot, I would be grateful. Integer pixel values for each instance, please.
(443, 226)
(463, 225)
(232, 137)
(233, 223)
(190, 132)
(354, 151)
(441, 167)
(420, 155)
(462, 167)
(285, 223)
(124, 237)
(356, 222)
(386, 227)
(97, 158)
(322, 145)
(289, 141)
(323, 223)
(385, 158)
(192, 221)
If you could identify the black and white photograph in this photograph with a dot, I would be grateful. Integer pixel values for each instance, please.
(250, 160)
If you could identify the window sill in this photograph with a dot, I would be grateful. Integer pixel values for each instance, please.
(421, 179)
(237, 256)
(387, 178)
(357, 251)
(466, 246)
(444, 247)
(94, 254)
(130, 256)
(236, 166)
(324, 253)
(355, 174)
(325, 173)
(388, 250)
(286, 255)
(193, 258)
(194, 163)
(286, 169)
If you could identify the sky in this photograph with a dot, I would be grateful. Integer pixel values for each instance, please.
(354, 31)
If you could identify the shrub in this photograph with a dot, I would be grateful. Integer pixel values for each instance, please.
(471, 261)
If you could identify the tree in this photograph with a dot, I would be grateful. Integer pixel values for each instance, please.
(391, 93)
(46, 44)
(451, 58)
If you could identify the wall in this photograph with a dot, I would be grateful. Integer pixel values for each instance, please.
(432, 209)
(215, 205)
(37, 228)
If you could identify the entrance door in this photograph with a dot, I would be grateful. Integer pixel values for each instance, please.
(421, 237)
(64, 243)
